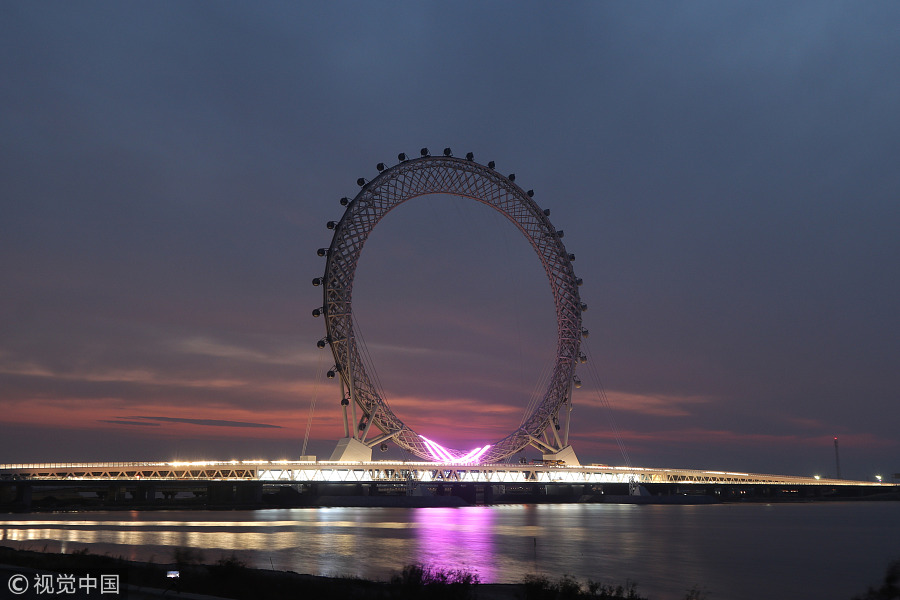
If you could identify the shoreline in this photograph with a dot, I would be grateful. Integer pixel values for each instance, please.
(230, 579)
(58, 506)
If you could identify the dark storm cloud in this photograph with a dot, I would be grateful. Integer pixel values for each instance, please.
(725, 175)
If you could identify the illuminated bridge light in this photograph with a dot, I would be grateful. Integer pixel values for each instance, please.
(441, 454)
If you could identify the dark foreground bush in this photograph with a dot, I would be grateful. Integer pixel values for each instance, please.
(422, 581)
(890, 589)
(539, 587)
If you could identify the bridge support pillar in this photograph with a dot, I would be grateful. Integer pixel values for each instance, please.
(16, 496)
(144, 493)
(24, 495)
(566, 455)
(114, 494)
(228, 493)
(351, 450)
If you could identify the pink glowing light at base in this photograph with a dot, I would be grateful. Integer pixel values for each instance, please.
(441, 454)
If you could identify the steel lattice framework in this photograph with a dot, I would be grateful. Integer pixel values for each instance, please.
(464, 178)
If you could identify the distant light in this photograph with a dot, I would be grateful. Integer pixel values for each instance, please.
(878, 477)
(173, 574)
(817, 477)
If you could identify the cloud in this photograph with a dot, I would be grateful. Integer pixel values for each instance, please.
(201, 384)
(730, 437)
(656, 405)
(125, 422)
(206, 422)
(806, 423)
(206, 346)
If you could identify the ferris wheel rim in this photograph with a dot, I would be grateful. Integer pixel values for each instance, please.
(426, 175)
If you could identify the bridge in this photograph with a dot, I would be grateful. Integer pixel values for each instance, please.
(392, 471)
(257, 483)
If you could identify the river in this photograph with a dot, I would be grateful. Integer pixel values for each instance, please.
(728, 551)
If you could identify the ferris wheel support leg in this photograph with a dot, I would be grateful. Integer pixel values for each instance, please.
(547, 441)
(382, 438)
(565, 441)
(555, 430)
(344, 407)
(539, 444)
(354, 431)
(371, 420)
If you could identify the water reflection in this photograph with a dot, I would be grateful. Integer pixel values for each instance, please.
(457, 538)
(667, 549)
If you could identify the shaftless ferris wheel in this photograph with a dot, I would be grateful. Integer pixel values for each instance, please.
(373, 422)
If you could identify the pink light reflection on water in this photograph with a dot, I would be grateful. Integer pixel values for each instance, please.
(452, 539)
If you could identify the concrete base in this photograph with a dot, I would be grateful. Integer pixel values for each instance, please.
(566, 455)
(351, 450)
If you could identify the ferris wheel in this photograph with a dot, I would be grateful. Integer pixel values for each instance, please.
(373, 423)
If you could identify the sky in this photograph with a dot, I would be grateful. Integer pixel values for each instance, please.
(725, 173)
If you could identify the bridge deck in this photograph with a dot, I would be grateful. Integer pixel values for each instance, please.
(396, 471)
